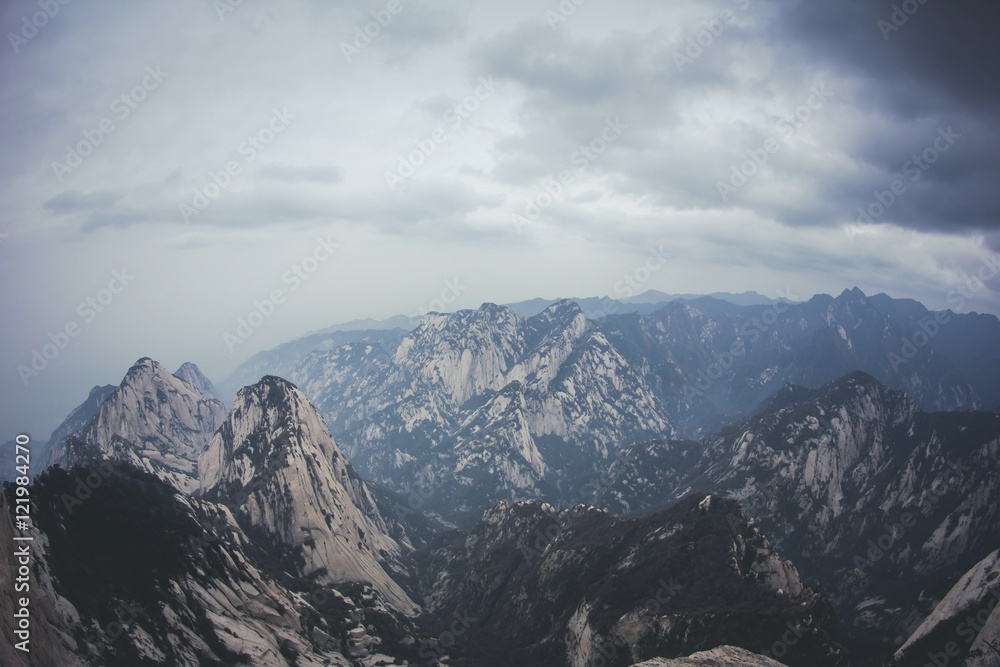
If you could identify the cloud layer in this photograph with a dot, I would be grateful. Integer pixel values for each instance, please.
(527, 149)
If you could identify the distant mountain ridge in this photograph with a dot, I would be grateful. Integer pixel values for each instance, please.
(154, 420)
(591, 387)
(191, 374)
(388, 332)
(550, 391)
(695, 437)
(876, 500)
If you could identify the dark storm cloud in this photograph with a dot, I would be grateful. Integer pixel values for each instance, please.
(934, 56)
(922, 66)
(912, 108)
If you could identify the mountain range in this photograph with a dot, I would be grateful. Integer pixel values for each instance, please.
(692, 481)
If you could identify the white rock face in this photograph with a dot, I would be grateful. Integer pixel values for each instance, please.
(831, 475)
(976, 600)
(157, 422)
(49, 644)
(191, 374)
(245, 610)
(724, 656)
(274, 459)
(410, 417)
(491, 458)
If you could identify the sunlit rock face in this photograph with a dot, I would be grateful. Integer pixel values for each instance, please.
(154, 421)
(884, 504)
(273, 461)
(484, 399)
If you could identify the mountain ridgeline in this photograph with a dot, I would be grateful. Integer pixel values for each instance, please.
(574, 392)
(692, 482)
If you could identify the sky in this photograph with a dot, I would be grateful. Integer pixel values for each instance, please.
(172, 168)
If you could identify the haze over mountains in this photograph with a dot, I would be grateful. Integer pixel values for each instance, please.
(803, 482)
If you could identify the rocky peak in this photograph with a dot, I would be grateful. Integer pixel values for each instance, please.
(190, 373)
(723, 656)
(157, 422)
(579, 585)
(275, 464)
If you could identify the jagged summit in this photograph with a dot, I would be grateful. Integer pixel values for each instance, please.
(274, 463)
(191, 374)
(582, 587)
(852, 293)
(155, 421)
(830, 471)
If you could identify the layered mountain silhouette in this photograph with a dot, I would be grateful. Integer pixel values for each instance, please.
(686, 482)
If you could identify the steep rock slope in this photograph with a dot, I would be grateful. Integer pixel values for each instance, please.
(536, 586)
(396, 416)
(154, 421)
(491, 457)
(191, 374)
(274, 463)
(74, 422)
(965, 626)
(175, 581)
(881, 503)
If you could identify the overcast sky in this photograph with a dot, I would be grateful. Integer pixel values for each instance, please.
(186, 156)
